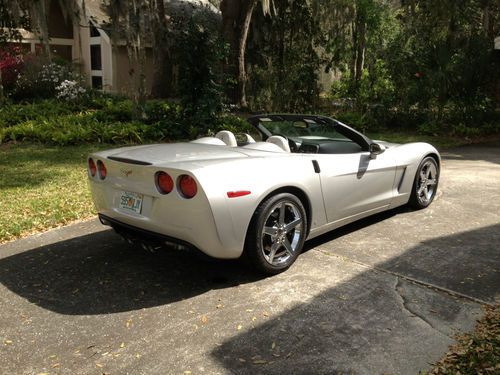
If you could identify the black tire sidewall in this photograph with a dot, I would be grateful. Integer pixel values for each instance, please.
(414, 201)
(253, 250)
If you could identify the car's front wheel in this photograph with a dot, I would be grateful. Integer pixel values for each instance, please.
(276, 234)
(425, 183)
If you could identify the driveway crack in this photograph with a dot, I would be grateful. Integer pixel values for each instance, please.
(409, 279)
(412, 312)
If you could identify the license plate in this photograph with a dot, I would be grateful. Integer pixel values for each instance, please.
(131, 202)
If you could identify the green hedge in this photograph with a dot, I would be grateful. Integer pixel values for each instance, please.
(104, 120)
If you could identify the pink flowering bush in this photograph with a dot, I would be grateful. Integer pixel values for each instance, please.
(12, 61)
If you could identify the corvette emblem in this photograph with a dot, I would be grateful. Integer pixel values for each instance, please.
(126, 172)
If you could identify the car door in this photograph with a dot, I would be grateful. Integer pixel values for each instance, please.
(355, 185)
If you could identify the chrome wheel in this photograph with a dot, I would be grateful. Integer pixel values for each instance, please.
(427, 182)
(282, 233)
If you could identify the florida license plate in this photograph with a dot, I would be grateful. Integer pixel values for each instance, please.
(131, 202)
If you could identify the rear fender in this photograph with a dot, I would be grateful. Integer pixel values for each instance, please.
(261, 177)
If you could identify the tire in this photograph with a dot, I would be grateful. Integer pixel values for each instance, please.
(425, 184)
(276, 234)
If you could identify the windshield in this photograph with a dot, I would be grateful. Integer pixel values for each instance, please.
(303, 129)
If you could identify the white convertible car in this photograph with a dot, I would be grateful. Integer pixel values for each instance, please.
(231, 196)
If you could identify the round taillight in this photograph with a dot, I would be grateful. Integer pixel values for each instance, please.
(164, 182)
(92, 167)
(187, 186)
(101, 168)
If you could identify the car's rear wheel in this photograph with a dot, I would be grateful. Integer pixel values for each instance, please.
(425, 184)
(276, 234)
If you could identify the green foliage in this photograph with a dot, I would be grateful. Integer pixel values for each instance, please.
(40, 77)
(442, 61)
(285, 61)
(103, 120)
(200, 77)
(232, 123)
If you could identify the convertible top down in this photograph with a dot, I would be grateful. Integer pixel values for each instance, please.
(261, 195)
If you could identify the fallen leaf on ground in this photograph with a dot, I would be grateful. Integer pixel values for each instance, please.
(259, 362)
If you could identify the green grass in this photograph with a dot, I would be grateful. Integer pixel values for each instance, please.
(42, 187)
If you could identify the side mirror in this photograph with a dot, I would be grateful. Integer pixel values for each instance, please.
(376, 149)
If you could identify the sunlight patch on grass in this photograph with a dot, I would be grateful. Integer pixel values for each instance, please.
(42, 187)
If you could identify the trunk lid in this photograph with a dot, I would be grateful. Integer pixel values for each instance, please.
(171, 153)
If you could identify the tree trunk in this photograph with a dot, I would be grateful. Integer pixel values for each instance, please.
(236, 19)
(360, 51)
(352, 65)
(486, 20)
(242, 74)
(39, 16)
(358, 48)
(162, 69)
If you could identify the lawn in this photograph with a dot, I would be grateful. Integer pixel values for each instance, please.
(42, 187)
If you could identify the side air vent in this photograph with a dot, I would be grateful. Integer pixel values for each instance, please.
(129, 161)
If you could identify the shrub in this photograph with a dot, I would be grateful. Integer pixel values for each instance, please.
(17, 113)
(200, 76)
(41, 77)
(12, 62)
(69, 90)
(103, 119)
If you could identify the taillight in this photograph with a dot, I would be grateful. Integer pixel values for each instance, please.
(101, 168)
(92, 167)
(187, 186)
(164, 182)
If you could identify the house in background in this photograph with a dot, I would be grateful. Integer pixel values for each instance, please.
(86, 43)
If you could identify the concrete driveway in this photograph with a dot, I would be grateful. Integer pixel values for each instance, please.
(385, 295)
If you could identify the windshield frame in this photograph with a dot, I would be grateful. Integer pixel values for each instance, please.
(341, 128)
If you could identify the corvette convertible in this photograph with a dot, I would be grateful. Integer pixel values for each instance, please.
(260, 195)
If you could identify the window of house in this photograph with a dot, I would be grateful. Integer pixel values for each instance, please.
(64, 52)
(93, 31)
(97, 82)
(95, 57)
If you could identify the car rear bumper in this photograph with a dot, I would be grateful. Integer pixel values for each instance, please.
(169, 218)
(130, 231)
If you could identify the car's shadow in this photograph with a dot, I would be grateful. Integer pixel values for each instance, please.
(353, 227)
(100, 273)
